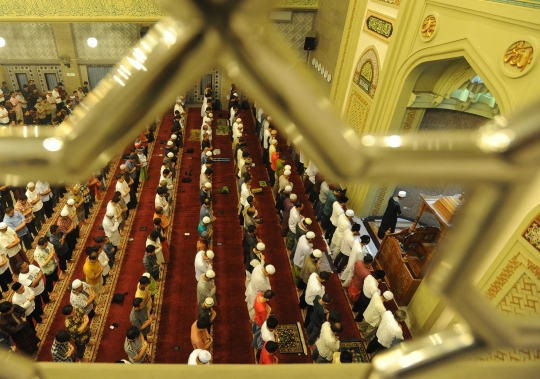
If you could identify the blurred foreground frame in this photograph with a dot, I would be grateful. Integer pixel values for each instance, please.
(497, 164)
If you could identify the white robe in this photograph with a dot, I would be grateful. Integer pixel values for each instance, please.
(110, 227)
(343, 224)
(259, 283)
(201, 266)
(302, 250)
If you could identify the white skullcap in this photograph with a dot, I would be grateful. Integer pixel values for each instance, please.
(122, 167)
(30, 185)
(274, 132)
(310, 235)
(269, 118)
(307, 221)
(208, 301)
(261, 246)
(238, 119)
(76, 284)
(208, 154)
(274, 141)
(109, 214)
(174, 136)
(71, 202)
(208, 185)
(235, 94)
(287, 172)
(170, 143)
(209, 254)
(317, 253)
(170, 155)
(288, 188)
(206, 119)
(210, 115)
(402, 194)
(349, 213)
(287, 167)
(64, 212)
(206, 220)
(204, 356)
(147, 274)
(210, 274)
(270, 269)
(388, 295)
(3, 225)
(292, 196)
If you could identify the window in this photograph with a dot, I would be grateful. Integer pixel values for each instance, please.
(96, 73)
(52, 80)
(22, 79)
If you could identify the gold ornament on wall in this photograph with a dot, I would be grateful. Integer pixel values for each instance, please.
(428, 27)
(519, 55)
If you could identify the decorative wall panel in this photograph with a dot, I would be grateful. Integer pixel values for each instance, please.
(27, 41)
(357, 112)
(34, 72)
(368, 83)
(520, 3)
(196, 95)
(294, 32)
(114, 40)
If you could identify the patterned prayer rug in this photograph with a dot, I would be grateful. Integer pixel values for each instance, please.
(357, 349)
(291, 341)
(195, 135)
(327, 264)
(222, 128)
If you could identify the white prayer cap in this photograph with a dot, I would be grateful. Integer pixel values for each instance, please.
(64, 212)
(261, 246)
(210, 274)
(208, 153)
(208, 185)
(317, 253)
(388, 295)
(310, 235)
(402, 194)
(109, 214)
(209, 254)
(122, 167)
(174, 136)
(274, 132)
(269, 118)
(307, 221)
(349, 213)
(170, 155)
(170, 143)
(30, 185)
(210, 115)
(274, 141)
(288, 188)
(270, 270)
(238, 119)
(235, 94)
(206, 220)
(76, 284)
(71, 202)
(287, 167)
(208, 301)
(206, 119)
(3, 225)
(293, 196)
(204, 356)
(287, 172)
(147, 274)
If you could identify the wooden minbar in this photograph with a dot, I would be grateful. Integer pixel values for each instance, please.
(405, 255)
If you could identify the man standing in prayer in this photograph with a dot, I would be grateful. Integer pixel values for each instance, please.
(311, 264)
(262, 312)
(24, 297)
(34, 198)
(141, 318)
(393, 210)
(10, 245)
(78, 325)
(294, 218)
(358, 252)
(14, 323)
(328, 343)
(150, 262)
(303, 249)
(361, 270)
(206, 287)
(82, 297)
(373, 314)
(92, 270)
(203, 263)
(314, 287)
(370, 289)
(135, 345)
(344, 222)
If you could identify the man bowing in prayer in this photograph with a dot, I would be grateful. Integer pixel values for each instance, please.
(393, 210)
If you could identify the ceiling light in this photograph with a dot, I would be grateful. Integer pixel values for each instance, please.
(92, 42)
(2, 42)
(52, 144)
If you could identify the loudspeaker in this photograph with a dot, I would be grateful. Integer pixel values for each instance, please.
(309, 44)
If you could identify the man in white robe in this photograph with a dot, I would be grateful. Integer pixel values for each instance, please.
(260, 282)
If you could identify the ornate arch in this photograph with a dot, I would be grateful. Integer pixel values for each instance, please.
(366, 74)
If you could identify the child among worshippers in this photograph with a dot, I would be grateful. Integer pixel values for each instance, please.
(144, 164)
(267, 353)
(104, 261)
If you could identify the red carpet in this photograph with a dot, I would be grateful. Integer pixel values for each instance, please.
(179, 308)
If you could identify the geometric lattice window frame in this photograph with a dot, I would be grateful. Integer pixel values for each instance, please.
(366, 74)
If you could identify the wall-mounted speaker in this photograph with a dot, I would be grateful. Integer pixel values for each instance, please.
(309, 43)
(143, 30)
